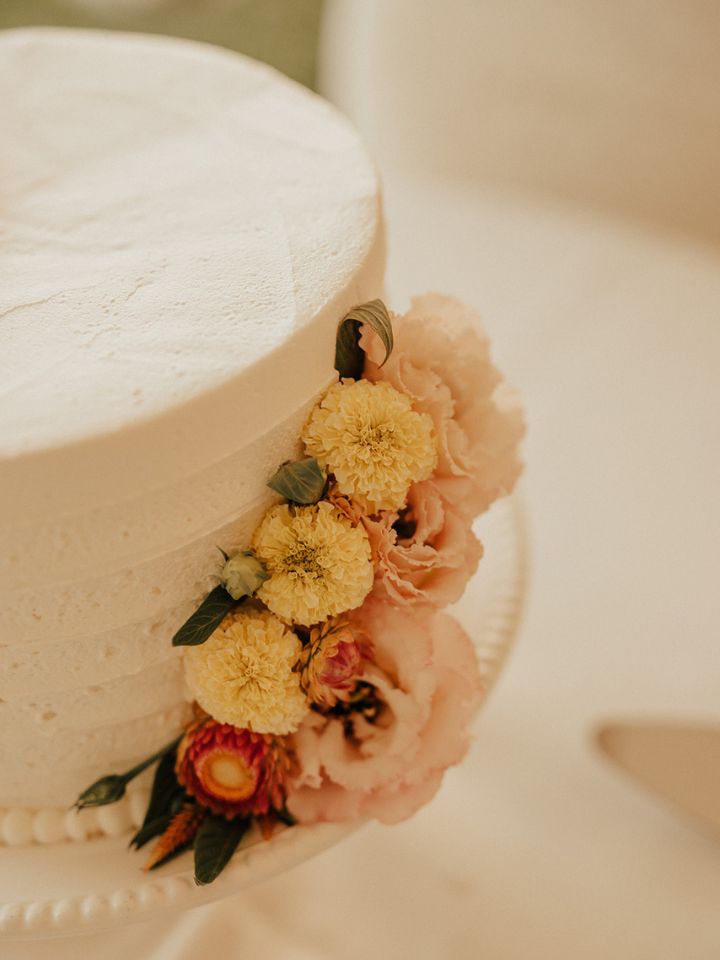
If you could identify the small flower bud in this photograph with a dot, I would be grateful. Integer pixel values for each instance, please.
(107, 790)
(242, 575)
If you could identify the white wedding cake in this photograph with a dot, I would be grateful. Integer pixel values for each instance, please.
(181, 230)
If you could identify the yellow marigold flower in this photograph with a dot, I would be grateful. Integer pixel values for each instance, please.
(369, 436)
(244, 673)
(319, 563)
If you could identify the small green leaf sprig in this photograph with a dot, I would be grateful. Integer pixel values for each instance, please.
(206, 619)
(242, 575)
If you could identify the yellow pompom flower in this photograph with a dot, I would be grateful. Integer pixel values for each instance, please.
(244, 673)
(319, 563)
(371, 439)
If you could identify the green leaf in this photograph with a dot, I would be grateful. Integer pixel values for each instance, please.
(208, 616)
(215, 843)
(301, 481)
(284, 816)
(156, 826)
(150, 829)
(349, 355)
(165, 790)
(243, 574)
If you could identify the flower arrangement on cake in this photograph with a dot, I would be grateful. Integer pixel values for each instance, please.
(328, 683)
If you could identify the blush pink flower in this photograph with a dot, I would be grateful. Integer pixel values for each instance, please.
(425, 554)
(442, 361)
(384, 754)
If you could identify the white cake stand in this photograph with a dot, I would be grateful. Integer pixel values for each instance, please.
(80, 890)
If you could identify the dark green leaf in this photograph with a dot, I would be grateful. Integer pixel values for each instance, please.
(106, 790)
(153, 828)
(215, 843)
(284, 816)
(302, 481)
(165, 789)
(208, 616)
(349, 355)
(150, 829)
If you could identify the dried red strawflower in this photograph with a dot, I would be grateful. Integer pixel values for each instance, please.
(231, 771)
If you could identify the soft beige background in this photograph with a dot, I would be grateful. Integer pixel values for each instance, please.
(596, 101)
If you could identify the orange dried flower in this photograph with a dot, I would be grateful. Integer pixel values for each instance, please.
(179, 833)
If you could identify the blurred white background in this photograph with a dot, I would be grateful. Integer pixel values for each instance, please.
(557, 164)
(604, 103)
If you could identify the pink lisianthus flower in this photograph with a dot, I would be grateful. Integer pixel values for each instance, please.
(425, 554)
(383, 755)
(442, 361)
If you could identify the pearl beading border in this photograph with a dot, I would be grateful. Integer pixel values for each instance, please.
(22, 826)
(258, 860)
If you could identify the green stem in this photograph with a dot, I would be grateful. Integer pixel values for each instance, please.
(144, 764)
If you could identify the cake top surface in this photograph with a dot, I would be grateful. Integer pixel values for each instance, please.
(172, 218)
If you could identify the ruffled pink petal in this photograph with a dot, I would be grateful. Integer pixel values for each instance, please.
(390, 767)
(393, 806)
(329, 804)
(442, 360)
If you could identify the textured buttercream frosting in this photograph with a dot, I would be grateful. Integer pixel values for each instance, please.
(181, 229)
